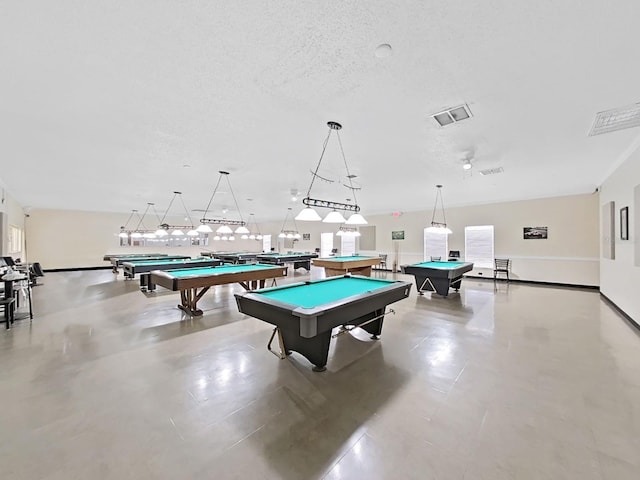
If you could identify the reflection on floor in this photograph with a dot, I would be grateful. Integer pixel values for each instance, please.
(520, 382)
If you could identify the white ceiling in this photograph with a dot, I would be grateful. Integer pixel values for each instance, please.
(103, 103)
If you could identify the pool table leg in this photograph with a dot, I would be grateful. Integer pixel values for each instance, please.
(189, 298)
(373, 327)
(314, 349)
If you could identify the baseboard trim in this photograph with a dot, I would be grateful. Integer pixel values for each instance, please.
(535, 282)
(76, 269)
(622, 313)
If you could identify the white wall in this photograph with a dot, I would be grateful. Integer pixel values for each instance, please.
(570, 255)
(71, 239)
(619, 278)
(13, 214)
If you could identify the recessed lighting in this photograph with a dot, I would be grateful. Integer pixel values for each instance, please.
(383, 50)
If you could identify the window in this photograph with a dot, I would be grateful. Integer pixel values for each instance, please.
(347, 245)
(435, 245)
(478, 246)
(326, 244)
(15, 240)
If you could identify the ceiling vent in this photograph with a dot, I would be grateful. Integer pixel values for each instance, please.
(616, 119)
(491, 171)
(453, 115)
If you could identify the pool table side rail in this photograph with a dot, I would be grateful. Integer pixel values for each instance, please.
(166, 280)
(134, 268)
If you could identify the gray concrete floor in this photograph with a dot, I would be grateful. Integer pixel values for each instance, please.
(521, 382)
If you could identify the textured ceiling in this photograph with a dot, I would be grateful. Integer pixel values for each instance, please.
(103, 103)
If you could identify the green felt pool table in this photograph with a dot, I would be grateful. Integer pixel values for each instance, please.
(355, 264)
(299, 260)
(193, 283)
(437, 276)
(305, 313)
(144, 267)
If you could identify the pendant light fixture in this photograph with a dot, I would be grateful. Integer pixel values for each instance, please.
(176, 230)
(288, 233)
(308, 214)
(140, 231)
(439, 227)
(224, 230)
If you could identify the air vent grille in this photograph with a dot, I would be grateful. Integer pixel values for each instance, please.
(616, 119)
(452, 115)
(491, 171)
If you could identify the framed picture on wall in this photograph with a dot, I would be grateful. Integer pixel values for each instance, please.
(624, 223)
(534, 233)
(306, 236)
(397, 235)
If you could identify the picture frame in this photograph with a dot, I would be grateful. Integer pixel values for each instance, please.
(397, 235)
(624, 223)
(535, 233)
(306, 236)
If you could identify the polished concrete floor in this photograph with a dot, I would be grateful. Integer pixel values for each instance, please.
(522, 382)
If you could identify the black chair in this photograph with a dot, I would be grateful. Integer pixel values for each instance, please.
(383, 261)
(334, 252)
(454, 255)
(7, 303)
(35, 271)
(501, 265)
(436, 259)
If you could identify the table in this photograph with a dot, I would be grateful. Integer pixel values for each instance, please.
(340, 265)
(305, 313)
(299, 260)
(437, 276)
(108, 257)
(188, 281)
(9, 279)
(237, 257)
(144, 267)
(117, 262)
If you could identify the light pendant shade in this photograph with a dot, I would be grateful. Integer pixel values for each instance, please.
(252, 237)
(224, 229)
(149, 235)
(192, 233)
(217, 237)
(231, 238)
(242, 229)
(439, 229)
(224, 237)
(177, 232)
(356, 219)
(245, 236)
(204, 229)
(282, 235)
(161, 232)
(334, 217)
(296, 235)
(258, 237)
(308, 215)
(339, 233)
(136, 235)
(356, 234)
(123, 235)
(289, 235)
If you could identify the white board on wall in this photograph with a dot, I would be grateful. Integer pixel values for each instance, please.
(608, 230)
(635, 228)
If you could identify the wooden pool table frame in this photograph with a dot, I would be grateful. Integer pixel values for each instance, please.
(361, 266)
(188, 286)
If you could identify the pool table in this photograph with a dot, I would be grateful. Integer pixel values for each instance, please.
(305, 313)
(351, 264)
(108, 257)
(299, 260)
(117, 262)
(438, 276)
(237, 257)
(144, 267)
(193, 283)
